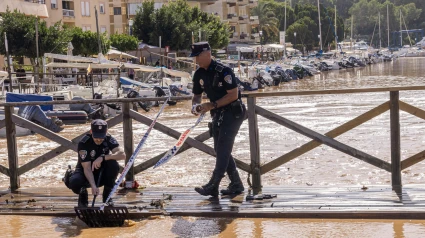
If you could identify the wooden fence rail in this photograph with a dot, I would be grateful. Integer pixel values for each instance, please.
(394, 105)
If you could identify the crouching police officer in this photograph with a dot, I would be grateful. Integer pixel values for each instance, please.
(97, 150)
(227, 111)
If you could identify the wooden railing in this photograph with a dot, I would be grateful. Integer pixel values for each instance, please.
(254, 168)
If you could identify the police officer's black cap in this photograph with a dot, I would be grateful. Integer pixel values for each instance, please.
(198, 48)
(99, 128)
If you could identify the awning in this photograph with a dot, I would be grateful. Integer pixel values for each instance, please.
(245, 49)
(176, 73)
(28, 8)
(82, 65)
(118, 54)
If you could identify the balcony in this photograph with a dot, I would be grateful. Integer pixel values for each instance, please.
(68, 13)
(254, 20)
(231, 17)
(243, 19)
(231, 2)
(242, 2)
(253, 3)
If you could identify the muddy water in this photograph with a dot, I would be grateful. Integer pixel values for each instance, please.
(321, 166)
(165, 227)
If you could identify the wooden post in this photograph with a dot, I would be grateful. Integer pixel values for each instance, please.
(254, 145)
(12, 149)
(395, 141)
(128, 138)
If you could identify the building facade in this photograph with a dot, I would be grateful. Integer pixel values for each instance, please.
(79, 13)
(237, 13)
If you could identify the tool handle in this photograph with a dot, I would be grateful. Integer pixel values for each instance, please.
(97, 185)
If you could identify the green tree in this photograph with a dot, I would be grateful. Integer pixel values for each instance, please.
(143, 22)
(175, 23)
(20, 30)
(124, 42)
(305, 36)
(269, 24)
(86, 43)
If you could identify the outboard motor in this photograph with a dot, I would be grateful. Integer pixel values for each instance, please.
(144, 105)
(81, 107)
(35, 114)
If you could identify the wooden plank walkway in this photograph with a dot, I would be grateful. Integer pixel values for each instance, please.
(348, 202)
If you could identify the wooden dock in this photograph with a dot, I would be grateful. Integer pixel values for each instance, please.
(348, 202)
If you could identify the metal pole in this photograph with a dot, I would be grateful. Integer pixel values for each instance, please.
(284, 34)
(97, 30)
(8, 63)
(36, 75)
(379, 18)
(401, 32)
(351, 39)
(160, 51)
(388, 27)
(336, 34)
(320, 24)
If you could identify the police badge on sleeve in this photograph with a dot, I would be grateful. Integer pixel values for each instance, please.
(83, 154)
(228, 79)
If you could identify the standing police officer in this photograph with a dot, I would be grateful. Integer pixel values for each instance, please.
(227, 111)
(97, 150)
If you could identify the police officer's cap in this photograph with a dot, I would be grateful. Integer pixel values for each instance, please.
(99, 128)
(198, 48)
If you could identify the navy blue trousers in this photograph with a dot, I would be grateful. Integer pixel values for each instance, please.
(109, 175)
(224, 138)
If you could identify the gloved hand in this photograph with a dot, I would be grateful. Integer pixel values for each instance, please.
(196, 109)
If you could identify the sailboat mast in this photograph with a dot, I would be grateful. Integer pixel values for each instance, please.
(336, 34)
(401, 33)
(379, 19)
(320, 24)
(388, 26)
(284, 33)
(351, 39)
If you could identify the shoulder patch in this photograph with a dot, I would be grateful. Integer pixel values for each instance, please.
(228, 79)
(83, 154)
(85, 138)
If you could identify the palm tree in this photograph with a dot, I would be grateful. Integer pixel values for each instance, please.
(269, 24)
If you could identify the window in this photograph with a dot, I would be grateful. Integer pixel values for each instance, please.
(102, 29)
(102, 8)
(53, 4)
(85, 8)
(84, 28)
(117, 11)
(134, 7)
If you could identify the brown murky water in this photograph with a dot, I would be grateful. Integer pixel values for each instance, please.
(321, 166)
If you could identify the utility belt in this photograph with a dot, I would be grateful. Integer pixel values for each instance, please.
(237, 109)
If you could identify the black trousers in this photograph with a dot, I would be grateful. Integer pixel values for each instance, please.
(109, 175)
(224, 137)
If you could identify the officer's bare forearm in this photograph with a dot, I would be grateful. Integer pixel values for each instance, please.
(196, 99)
(231, 96)
(117, 154)
(89, 174)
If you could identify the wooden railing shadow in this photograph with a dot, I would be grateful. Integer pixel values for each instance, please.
(255, 168)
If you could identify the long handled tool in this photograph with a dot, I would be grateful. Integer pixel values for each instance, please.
(133, 157)
(109, 217)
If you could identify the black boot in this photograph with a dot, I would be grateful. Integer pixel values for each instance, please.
(211, 188)
(83, 198)
(235, 186)
(106, 192)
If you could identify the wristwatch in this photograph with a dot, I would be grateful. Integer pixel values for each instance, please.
(214, 105)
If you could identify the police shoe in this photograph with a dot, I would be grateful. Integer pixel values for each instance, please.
(83, 198)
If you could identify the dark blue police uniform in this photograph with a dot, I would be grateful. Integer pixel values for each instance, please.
(226, 121)
(89, 151)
